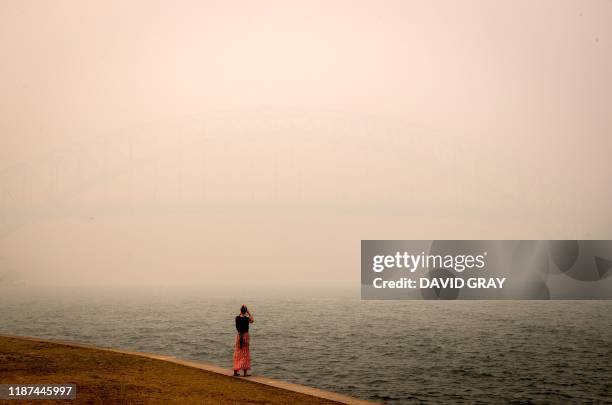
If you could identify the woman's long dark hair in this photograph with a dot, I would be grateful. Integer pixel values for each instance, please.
(243, 310)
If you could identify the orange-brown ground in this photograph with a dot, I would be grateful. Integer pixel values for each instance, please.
(109, 377)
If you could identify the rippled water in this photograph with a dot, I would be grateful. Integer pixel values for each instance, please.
(396, 352)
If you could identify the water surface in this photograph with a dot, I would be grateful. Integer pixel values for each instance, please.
(395, 352)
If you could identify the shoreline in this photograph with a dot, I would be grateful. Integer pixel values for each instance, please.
(277, 389)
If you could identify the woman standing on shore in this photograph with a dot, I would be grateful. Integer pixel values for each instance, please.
(242, 355)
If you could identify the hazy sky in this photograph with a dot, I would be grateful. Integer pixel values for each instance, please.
(187, 142)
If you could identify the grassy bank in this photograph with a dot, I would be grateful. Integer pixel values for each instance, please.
(108, 377)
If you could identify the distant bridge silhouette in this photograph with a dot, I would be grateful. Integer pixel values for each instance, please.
(201, 154)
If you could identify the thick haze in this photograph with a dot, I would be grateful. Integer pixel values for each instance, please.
(256, 143)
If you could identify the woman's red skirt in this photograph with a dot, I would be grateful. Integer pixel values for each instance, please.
(242, 355)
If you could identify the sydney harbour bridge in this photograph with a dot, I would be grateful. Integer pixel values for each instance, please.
(222, 161)
(291, 162)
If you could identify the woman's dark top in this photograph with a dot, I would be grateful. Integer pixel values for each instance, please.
(242, 324)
